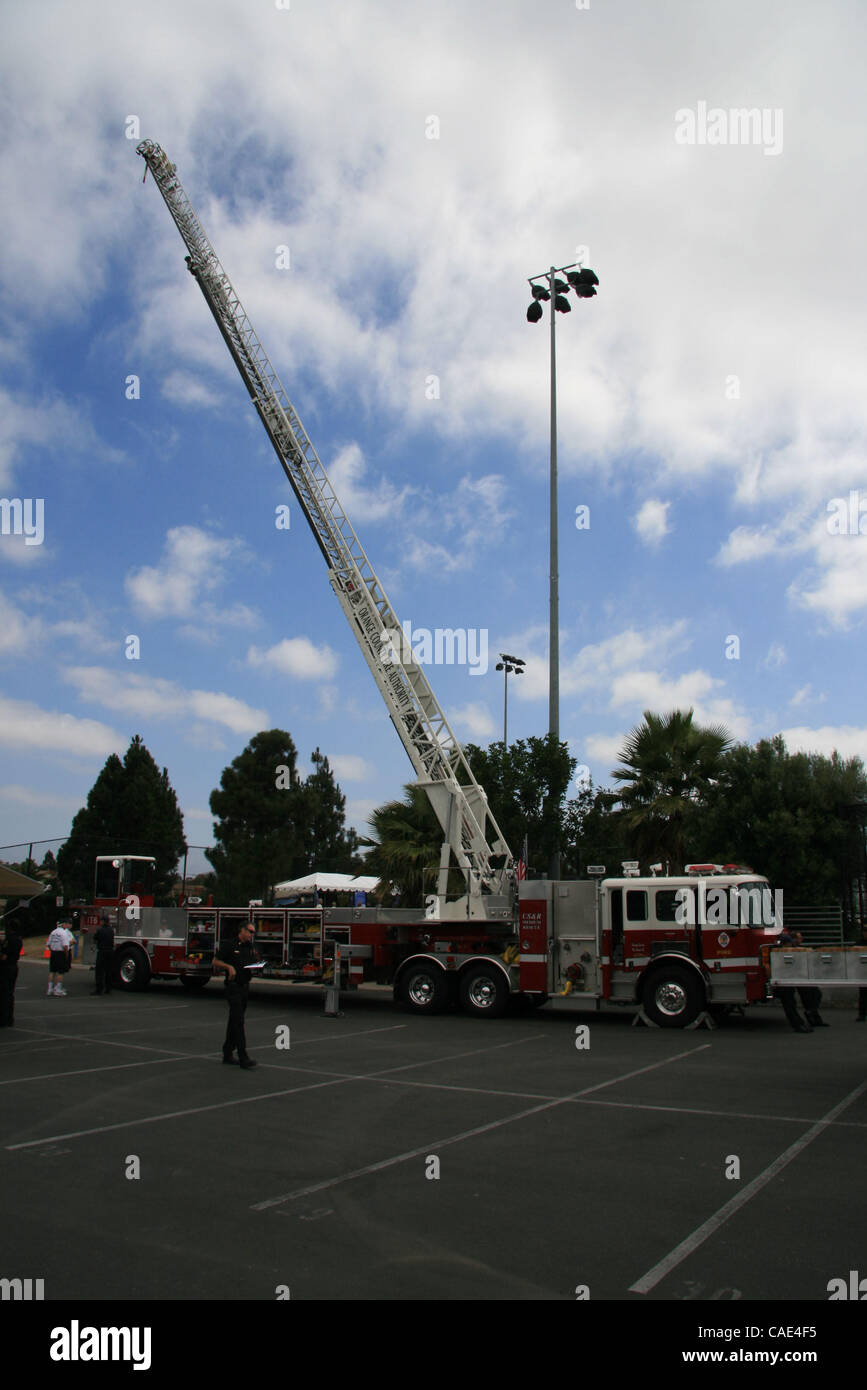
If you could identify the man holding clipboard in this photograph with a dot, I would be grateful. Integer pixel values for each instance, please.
(239, 961)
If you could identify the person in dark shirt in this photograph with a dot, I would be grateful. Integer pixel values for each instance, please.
(811, 998)
(104, 938)
(234, 959)
(11, 946)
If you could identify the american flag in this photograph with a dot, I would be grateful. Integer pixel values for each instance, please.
(521, 866)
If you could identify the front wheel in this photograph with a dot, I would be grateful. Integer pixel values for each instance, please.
(424, 989)
(132, 969)
(484, 991)
(673, 997)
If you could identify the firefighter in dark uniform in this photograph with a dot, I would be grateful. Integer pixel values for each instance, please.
(234, 959)
(104, 939)
(11, 946)
(809, 999)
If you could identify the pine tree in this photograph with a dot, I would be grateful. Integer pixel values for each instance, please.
(131, 809)
(329, 845)
(260, 825)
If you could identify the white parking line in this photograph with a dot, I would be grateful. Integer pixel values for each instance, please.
(435, 1144)
(243, 1100)
(579, 1100)
(176, 1057)
(108, 1008)
(169, 1115)
(692, 1242)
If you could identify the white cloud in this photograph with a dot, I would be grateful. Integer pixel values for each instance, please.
(298, 657)
(776, 656)
(45, 423)
(805, 696)
(836, 588)
(150, 697)
(25, 725)
(26, 796)
(349, 767)
(361, 499)
(651, 521)
(193, 563)
(747, 543)
(17, 631)
(846, 739)
(185, 389)
(605, 748)
(476, 719)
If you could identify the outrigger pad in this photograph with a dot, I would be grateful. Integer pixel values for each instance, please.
(704, 1020)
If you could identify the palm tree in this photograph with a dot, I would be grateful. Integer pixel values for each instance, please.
(669, 764)
(407, 842)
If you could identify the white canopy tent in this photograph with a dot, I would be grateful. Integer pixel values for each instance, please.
(325, 883)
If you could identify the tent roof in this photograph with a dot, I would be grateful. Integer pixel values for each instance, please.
(15, 885)
(325, 881)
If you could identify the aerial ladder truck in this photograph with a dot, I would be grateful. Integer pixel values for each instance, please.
(676, 947)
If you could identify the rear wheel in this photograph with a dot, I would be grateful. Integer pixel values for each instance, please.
(132, 969)
(484, 991)
(673, 996)
(424, 989)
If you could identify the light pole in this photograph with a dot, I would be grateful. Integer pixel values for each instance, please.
(583, 281)
(512, 665)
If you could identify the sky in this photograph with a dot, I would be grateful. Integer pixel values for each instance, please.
(380, 180)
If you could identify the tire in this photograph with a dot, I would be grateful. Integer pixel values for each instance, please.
(673, 996)
(194, 984)
(132, 969)
(424, 989)
(484, 991)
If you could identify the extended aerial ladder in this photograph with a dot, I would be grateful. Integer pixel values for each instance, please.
(470, 832)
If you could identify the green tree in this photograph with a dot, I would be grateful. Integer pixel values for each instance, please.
(405, 844)
(669, 766)
(259, 829)
(526, 785)
(796, 817)
(328, 844)
(593, 833)
(131, 809)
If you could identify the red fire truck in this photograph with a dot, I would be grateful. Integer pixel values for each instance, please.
(676, 948)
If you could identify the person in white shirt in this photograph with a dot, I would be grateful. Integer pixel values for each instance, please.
(60, 943)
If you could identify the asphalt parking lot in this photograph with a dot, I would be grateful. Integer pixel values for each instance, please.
(385, 1156)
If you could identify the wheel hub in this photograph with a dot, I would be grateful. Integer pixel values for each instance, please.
(670, 998)
(482, 993)
(421, 989)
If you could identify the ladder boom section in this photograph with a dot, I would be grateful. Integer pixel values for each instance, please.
(433, 750)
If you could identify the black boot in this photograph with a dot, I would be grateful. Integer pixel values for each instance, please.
(228, 1059)
(816, 1021)
(247, 1062)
